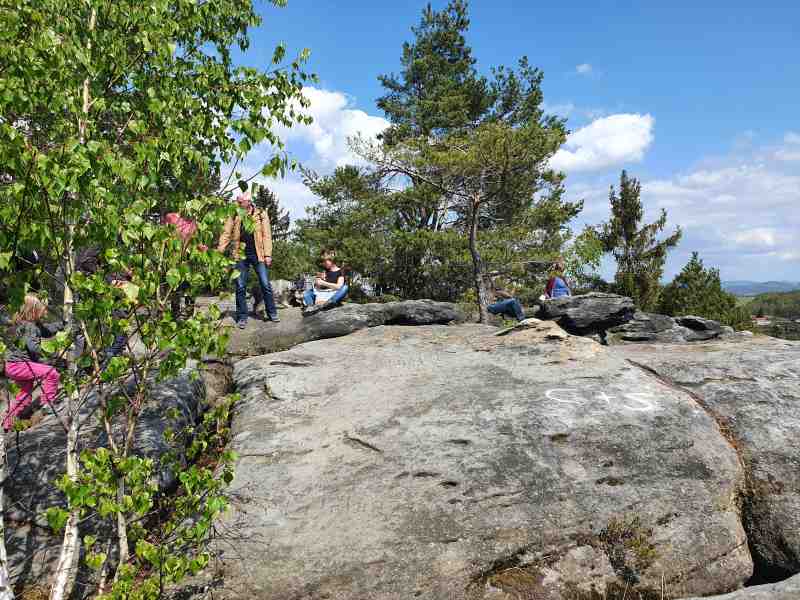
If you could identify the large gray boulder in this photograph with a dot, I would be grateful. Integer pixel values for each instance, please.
(448, 463)
(590, 313)
(647, 327)
(752, 389)
(702, 329)
(788, 589)
(265, 337)
(651, 327)
(37, 457)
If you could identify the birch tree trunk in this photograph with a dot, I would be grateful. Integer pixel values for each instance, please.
(66, 569)
(6, 591)
(122, 523)
(67, 566)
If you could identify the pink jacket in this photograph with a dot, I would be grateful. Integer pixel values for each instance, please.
(186, 227)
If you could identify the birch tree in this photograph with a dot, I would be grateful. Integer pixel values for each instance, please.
(110, 113)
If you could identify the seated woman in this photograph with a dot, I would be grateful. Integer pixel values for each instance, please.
(557, 286)
(329, 287)
(24, 363)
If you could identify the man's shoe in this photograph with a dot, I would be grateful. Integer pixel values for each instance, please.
(241, 324)
(274, 318)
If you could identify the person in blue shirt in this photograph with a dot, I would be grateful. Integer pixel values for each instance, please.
(557, 286)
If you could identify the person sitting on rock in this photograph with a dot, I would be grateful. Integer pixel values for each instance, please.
(25, 365)
(504, 303)
(329, 287)
(557, 286)
(120, 280)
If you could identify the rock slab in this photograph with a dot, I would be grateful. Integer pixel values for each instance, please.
(589, 313)
(447, 463)
(788, 589)
(651, 327)
(752, 388)
(266, 337)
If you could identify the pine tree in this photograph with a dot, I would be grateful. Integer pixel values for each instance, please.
(639, 253)
(698, 291)
(265, 199)
(438, 88)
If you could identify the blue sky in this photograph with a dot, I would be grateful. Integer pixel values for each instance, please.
(697, 99)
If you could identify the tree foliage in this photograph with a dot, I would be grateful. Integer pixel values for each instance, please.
(697, 291)
(279, 219)
(778, 304)
(437, 89)
(464, 153)
(639, 253)
(367, 225)
(494, 175)
(113, 112)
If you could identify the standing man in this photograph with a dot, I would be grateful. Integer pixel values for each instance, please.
(258, 254)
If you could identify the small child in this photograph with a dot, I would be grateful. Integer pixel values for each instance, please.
(24, 365)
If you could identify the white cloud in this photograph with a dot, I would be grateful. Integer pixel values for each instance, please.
(787, 155)
(322, 145)
(584, 69)
(335, 120)
(758, 237)
(293, 194)
(606, 142)
(741, 215)
(789, 256)
(792, 138)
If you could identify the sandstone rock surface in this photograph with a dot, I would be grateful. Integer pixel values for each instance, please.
(448, 462)
(788, 589)
(588, 313)
(264, 337)
(650, 327)
(704, 329)
(753, 390)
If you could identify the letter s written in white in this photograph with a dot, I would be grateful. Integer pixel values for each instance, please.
(643, 399)
(557, 396)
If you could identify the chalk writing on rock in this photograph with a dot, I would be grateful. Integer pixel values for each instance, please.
(633, 401)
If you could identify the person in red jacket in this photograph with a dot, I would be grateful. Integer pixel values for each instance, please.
(185, 230)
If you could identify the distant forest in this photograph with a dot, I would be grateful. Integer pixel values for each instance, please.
(784, 304)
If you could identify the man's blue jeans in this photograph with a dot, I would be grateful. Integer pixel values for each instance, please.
(510, 307)
(310, 296)
(241, 287)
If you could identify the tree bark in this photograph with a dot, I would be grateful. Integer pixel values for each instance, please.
(6, 590)
(67, 566)
(66, 569)
(477, 264)
(122, 522)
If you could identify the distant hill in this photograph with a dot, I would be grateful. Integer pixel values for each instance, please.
(753, 288)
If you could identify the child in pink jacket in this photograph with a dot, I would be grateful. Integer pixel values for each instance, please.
(24, 363)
